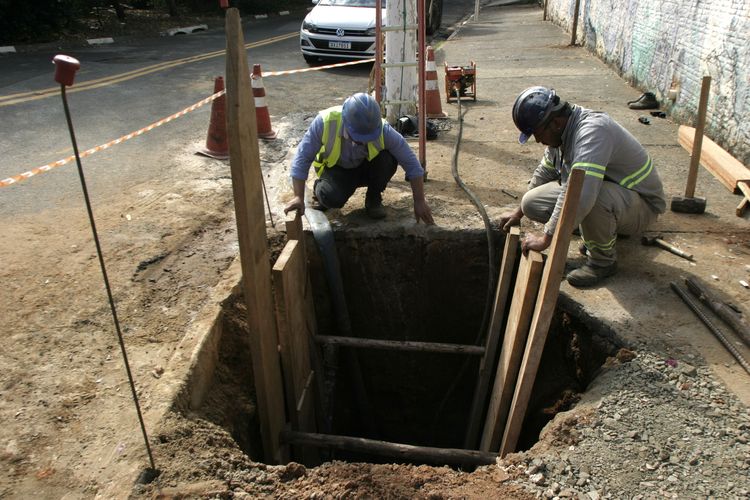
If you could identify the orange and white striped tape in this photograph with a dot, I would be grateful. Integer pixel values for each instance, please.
(59, 163)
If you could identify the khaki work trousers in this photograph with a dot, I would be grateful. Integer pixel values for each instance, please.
(617, 210)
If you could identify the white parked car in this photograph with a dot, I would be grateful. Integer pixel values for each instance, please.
(345, 29)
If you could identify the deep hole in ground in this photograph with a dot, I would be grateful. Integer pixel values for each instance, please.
(430, 288)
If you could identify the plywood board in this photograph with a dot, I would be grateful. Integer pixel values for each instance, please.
(549, 290)
(487, 363)
(514, 342)
(295, 326)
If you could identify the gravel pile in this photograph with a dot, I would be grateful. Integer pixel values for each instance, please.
(647, 428)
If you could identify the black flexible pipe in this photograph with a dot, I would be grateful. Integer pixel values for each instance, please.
(491, 251)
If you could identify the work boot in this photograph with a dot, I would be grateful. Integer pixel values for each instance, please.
(374, 206)
(646, 101)
(590, 275)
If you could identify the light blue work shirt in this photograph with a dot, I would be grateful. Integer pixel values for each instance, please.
(352, 154)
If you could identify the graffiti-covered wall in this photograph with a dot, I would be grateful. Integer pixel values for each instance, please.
(663, 45)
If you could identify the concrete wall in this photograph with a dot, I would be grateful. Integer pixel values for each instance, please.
(664, 44)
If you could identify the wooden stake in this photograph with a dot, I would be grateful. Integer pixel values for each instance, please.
(514, 341)
(698, 138)
(549, 290)
(487, 363)
(251, 232)
(574, 33)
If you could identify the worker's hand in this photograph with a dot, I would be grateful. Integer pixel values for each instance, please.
(296, 204)
(510, 219)
(534, 242)
(423, 212)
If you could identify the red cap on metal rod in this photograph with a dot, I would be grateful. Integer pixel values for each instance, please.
(65, 69)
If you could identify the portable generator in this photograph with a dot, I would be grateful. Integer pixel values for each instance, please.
(460, 82)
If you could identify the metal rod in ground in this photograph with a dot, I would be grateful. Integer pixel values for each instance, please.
(150, 475)
(268, 203)
(717, 333)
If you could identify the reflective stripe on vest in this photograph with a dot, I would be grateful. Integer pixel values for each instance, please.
(330, 150)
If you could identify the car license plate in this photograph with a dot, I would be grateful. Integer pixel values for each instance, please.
(339, 45)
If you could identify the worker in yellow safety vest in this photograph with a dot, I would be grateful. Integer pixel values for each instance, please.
(351, 146)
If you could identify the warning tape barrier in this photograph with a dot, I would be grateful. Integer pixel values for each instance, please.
(59, 163)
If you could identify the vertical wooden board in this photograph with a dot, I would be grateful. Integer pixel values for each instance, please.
(294, 231)
(514, 341)
(251, 232)
(290, 281)
(549, 289)
(507, 266)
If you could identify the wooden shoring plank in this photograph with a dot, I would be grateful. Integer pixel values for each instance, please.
(400, 345)
(395, 451)
(726, 168)
(292, 294)
(507, 266)
(251, 232)
(514, 342)
(741, 207)
(744, 188)
(295, 231)
(549, 289)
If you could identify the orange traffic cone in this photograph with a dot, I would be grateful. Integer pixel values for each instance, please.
(432, 94)
(261, 110)
(217, 145)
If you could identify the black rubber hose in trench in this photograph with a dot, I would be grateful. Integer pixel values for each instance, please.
(491, 256)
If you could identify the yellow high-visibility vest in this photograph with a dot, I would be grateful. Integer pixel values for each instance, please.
(330, 150)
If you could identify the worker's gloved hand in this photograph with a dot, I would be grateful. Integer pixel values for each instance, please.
(296, 204)
(510, 219)
(423, 212)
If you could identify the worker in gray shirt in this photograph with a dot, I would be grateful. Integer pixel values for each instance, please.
(621, 194)
(351, 146)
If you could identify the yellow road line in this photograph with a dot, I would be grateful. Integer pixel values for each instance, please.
(129, 75)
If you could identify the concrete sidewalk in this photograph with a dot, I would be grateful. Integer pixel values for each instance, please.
(513, 49)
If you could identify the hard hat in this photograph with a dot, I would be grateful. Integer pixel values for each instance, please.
(533, 107)
(362, 118)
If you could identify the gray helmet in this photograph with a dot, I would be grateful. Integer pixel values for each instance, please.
(533, 107)
(362, 118)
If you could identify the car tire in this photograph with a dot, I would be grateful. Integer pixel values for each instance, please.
(311, 60)
(434, 16)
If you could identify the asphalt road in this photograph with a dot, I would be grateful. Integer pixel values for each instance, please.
(124, 87)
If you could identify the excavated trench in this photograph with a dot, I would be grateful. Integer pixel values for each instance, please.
(432, 288)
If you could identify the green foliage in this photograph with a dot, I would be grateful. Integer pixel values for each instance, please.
(26, 21)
